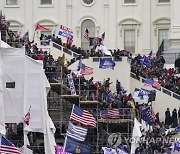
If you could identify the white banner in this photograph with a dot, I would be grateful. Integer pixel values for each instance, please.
(71, 84)
(66, 32)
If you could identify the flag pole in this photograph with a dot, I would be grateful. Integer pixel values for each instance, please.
(65, 141)
(34, 35)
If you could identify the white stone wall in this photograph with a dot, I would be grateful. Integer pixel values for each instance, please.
(111, 16)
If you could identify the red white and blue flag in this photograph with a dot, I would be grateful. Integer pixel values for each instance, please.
(86, 34)
(83, 69)
(151, 82)
(109, 113)
(82, 116)
(6, 147)
(65, 32)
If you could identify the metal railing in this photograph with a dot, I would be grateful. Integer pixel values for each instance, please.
(164, 90)
(66, 50)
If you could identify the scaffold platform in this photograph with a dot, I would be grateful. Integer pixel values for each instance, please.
(114, 120)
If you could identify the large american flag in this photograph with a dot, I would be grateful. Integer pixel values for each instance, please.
(86, 34)
(6, 147)
(82, 116)
(109, 113)
(40, 27)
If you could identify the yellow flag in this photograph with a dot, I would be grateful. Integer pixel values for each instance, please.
(132, 104)
(63, 58)
(7, 36)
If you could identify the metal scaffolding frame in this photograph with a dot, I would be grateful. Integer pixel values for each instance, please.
(98, 137)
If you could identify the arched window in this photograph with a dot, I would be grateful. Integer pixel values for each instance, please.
(129, 29)
(15, 26)
(48, 24)
(161, 31)
(90, 25)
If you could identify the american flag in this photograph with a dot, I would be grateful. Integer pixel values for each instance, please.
(6, 147)
(86, 34)
(153, 83)
(153, 116)
(40, 27)
(86, 71)
(156, 85)
(82, 116)
(109, 113)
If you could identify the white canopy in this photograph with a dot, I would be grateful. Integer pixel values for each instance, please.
(23, 85)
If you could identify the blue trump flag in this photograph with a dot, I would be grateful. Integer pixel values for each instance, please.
(149, 116)
(176, 146)
(106, 63)
(177, 129)
(146, 61)
(151, 94)
(74, 146)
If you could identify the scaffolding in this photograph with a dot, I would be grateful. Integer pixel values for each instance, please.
(60, 102)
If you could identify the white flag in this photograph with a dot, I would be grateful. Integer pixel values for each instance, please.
(105, 50)
(144, 125)
(136, 135)
(141, 99)
(109, 150)
(25, 150)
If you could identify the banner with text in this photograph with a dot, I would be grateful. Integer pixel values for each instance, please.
(71, 84)
(66, 32)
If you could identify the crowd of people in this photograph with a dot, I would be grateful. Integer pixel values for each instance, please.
(92, 90)
(166, 77)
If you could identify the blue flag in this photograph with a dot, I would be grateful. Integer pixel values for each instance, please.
(74, 146)
(177, 129)
(149, 116)
(146, 61)
(149, 81)
(176, 146)
(121, 150)
(106, 63)
(151, 94)
(80, 65)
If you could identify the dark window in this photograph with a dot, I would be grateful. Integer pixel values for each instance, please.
(164, 1)
(129, 1)
(10, 84)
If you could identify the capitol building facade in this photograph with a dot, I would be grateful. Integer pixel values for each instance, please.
(138, 26)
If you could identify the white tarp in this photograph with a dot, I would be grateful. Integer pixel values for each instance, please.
(31, 88)
(13, 98)
(2, 122)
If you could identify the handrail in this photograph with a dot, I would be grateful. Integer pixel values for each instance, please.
(164, 90)
(60, 47)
